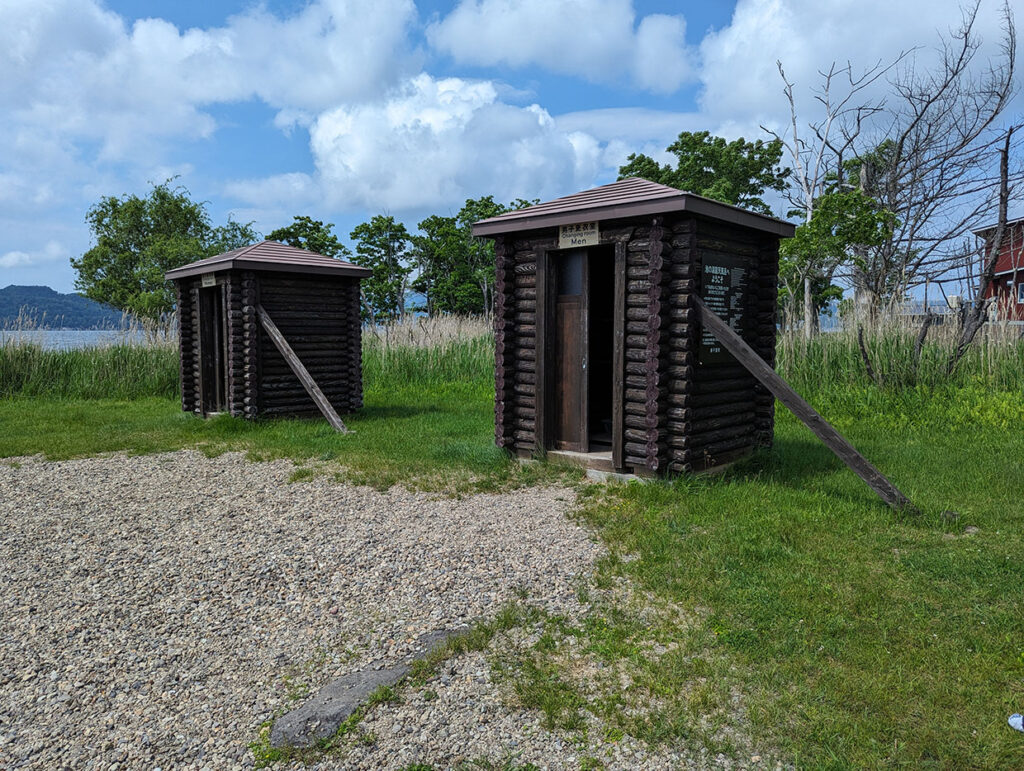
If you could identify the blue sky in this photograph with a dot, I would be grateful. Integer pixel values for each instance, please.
(342, 109)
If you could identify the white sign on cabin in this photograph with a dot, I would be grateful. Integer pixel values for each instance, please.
(209, 279)
(580, 234)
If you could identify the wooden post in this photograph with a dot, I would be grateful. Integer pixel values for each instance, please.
(300, 371)
(821, 428)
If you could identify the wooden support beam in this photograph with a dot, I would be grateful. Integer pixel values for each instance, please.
(821, 428)
(300, 371)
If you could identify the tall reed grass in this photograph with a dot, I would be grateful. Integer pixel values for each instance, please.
(429, 352)
(834, 360)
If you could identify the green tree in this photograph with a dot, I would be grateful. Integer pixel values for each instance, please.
(444, 277)
(455, 269)
(843, 225)
(382, 244)
(139, 239)
(312, 235)
(735, 172)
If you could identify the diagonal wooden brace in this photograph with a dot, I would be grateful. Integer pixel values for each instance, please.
(300, 371)
(820, 427)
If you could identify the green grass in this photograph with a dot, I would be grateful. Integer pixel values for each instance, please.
(858, 639)
(851, 636)
(109, 372)
(437, 438)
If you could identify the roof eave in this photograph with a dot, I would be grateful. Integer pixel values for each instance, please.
(682, 203)
(244, 264)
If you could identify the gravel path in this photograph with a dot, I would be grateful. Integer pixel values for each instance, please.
(151, 607)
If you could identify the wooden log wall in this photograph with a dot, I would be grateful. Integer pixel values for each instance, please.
(250, 345)
(676, 407)
(721, 409)
(185, 345)
(645, 382)
(319, 316)
(505, 370)
(520, 336)
(197, 388)
(235, 344)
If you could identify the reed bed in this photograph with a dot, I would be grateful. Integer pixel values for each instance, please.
(427, 351)
(834, 360)
(452, 349)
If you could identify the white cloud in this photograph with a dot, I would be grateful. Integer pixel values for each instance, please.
(74, 71)
(597, 40)
(52, 252)
(742, 87)
(433, 143)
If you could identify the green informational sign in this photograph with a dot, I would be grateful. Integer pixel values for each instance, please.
(724, 291)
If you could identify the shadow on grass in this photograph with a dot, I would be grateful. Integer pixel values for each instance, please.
(804, 464)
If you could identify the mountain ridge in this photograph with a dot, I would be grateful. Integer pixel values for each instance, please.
(40, 307)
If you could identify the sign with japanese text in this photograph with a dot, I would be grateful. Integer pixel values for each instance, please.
(580, 234)
(724, 291)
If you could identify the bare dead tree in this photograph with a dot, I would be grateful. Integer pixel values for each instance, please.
(932, 168)
(975, 317)
(818, 156)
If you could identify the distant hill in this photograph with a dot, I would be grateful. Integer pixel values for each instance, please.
(49, 309)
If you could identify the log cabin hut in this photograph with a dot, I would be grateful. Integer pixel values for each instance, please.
(599, 358)
(229, 362)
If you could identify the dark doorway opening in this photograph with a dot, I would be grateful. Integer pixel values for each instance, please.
(213, 349)
(601, 318)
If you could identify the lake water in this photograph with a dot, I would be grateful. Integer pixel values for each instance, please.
(72, 338)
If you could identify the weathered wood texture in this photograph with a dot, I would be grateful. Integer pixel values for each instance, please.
(675, 414)
(186, 338)
(299, 370)
(320, 319)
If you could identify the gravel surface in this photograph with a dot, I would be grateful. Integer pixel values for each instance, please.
(156, 610)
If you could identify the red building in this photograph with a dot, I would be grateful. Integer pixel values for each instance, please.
(1008, 285)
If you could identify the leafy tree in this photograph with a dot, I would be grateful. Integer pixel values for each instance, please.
(456, 270)
(313, 235)
(735, 172)
(139, 239)
(441, 255)
(843, 225)
(382, 244)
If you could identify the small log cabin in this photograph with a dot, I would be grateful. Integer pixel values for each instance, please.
(598, 354)
(228, 361)
(1008, 286)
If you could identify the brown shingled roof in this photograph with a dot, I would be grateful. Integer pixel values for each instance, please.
(630, 197)
(271, 255)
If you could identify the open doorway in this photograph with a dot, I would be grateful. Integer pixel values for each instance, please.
(213, 349)
(582, 349)
(601, 318)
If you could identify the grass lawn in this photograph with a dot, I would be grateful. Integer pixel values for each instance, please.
(438, 438)
(848, 636)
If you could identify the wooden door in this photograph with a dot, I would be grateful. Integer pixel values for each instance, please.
(570, 351)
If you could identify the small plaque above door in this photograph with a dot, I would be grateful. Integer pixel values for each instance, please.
(209, 279)
(580, 234)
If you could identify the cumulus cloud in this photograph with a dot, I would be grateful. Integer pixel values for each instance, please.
(741, 84)
(52, 252)
(597, 40)
(433, 143)
(74, 70)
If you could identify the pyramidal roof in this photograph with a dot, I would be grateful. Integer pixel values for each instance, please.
(271, 255)
(631, 197)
